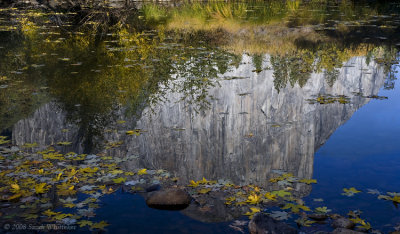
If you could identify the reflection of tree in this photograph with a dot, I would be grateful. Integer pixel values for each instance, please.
(387, 57)
(92, 78)
(295, 68)
(135, 68)
(257, 61)
(331, 76)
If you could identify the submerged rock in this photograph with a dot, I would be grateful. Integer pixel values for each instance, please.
(343, 223)
(318, 217)
(169, 199)
(345, 231)
(263, 224)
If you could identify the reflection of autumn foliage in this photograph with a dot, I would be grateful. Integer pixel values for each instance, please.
(100, 64)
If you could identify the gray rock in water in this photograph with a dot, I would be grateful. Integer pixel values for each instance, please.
(318, 217)
(343, 223)
(263, 224)
(345, 231)
(169, 199)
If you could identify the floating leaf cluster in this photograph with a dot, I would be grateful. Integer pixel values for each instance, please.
(329, 99)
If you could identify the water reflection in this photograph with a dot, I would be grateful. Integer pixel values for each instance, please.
(236, 98)
(249, 129)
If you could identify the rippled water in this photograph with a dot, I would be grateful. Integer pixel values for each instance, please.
(257, 97)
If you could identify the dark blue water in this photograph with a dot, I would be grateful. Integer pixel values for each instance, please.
(129, 214)
(363, 153)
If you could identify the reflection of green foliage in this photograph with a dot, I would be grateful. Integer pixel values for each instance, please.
(92, 78)
(257, 61)
(387, 57)
(132, 68)
(331, 76)
(295, 68)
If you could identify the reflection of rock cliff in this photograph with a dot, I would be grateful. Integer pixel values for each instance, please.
(249, 130)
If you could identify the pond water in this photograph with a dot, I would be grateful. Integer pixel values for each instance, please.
(286, 108)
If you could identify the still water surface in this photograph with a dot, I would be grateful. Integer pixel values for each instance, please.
(236, 93)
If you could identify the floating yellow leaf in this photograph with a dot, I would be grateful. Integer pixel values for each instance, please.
(84, 223)
(253, 199)
(270, 196)
(69, 205)
(59, 176)
(308, 181)
(142, 171)
(100, 225)
(119, 180)
(253, 210)
(89, 170)
(116, 172)
(15, 188)
(49, 213)
(295, 207)
(133, 132)
(41, 188)
(15, 196)
(193, 184)
(64, 143)
(350, 191)
(204, 190)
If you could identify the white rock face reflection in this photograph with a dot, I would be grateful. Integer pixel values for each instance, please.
(249, 130)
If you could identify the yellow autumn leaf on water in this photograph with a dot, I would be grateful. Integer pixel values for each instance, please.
(61, 216)
(133, 132)
(64, 143)
(295, 208)
(204, 190)
(84, 223)
(396, 199)
(119, 180)
(41, 188)
(242, 203)
(41, 171)
(59, 176)
(203, 181)
(72, 172)
(65, 189)
(254, 210)
(142, 172)
(350, 191)
(116, 172)
(30, 216)
(15, 188)
(69, 205)
(15, 196)
(308, 181)
(193, 184)
(253, 199)
(100, 225)
(270, 196)
(49, 213)
(89, 170)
